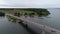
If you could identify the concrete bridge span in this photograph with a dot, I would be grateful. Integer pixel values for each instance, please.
(26, 22)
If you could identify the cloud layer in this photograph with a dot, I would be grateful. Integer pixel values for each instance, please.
(30, 3)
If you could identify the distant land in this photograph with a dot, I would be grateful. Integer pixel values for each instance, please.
(27, 11)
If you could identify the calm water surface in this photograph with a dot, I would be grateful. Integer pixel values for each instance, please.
(7, 27)
(53, 20)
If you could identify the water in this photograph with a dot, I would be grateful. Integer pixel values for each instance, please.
(52, 20)
(7, 27)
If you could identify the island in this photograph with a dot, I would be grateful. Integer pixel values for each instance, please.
(32, 12)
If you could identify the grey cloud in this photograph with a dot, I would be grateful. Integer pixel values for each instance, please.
(31, 3)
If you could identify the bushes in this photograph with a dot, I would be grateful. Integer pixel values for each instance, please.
(35, 12)
(25, 14)
(2, 14)
(42, 12)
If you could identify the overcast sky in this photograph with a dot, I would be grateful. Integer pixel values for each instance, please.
(30, 3)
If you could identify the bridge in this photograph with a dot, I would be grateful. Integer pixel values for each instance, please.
(26, 23)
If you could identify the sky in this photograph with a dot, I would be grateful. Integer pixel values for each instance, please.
(30, 3)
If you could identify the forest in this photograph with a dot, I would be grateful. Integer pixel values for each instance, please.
(25, 11)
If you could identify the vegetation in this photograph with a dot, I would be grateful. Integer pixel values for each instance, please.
(28, 11)
(2, 14)
(12, 19)
(36, 12)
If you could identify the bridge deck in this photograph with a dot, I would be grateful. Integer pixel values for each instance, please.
(43, 27)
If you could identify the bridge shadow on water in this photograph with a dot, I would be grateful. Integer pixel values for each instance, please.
(27, 28)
